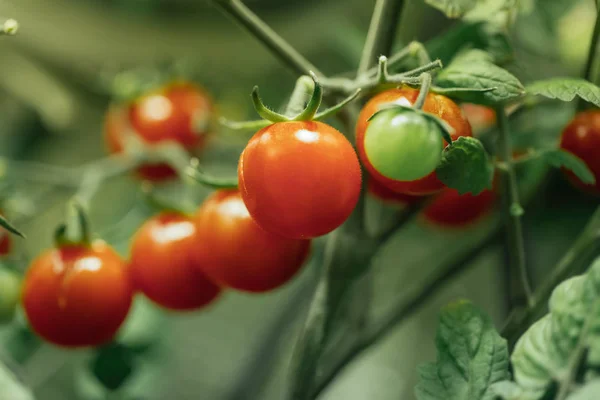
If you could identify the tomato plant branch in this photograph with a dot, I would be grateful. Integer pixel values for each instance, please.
(585, 248)
(520, 286)
(591, 58)
(382, 32)
(302, 93)
(425, 85)
(267, 36)
(405, 308)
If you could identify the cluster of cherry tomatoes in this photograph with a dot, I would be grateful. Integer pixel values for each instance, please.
(297, 180)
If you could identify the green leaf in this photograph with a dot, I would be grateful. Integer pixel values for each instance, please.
(553, 349)
(563, 159)
(471, 357)
(466, 166)
(10, 227)
(453, 8)
(566, 89)
(588, 392)
(474, 35)
(490, 84)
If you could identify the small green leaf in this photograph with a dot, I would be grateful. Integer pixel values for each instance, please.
(453, 8)
(471, 357)
(563, 159)
(466, 166)
(10, 227)
(566, 89)
(553, 348)
(490, 85)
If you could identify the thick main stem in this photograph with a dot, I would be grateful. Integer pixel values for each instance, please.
(267, 36)
(518, 274)
(591, 59)
(382, 31)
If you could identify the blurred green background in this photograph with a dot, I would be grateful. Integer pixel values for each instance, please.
(53, 96)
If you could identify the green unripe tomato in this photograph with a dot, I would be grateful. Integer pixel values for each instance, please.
(404, 145)
(10, 291)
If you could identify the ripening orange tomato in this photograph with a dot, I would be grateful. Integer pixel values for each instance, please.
(480, 117)
(452, 210)
(233, 250)
(180, 112)
(163, 265)
(77, 295)
(436, 104)
(299, 179)
(582, 138)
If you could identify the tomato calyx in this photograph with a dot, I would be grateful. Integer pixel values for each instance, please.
(309, 113)
(76, 230)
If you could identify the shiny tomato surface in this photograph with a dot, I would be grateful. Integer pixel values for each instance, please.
(450, 209)
(163, 264)
(436, 104)
(582, 138)
(299, 179)
(180, 112)
(77, 296)
(234, 251)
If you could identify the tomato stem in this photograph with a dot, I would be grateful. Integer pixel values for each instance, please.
(300, 96)
(518, 274)
(195, 172)
(591, 58)
(584, 250)
(272, 41)
(425, 85)
(313, 103)
(333, 110)
(76, 230)
(382, 32)
(437, 64)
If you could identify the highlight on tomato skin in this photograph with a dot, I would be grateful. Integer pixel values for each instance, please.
(77, 295)
(436, 104)
(299, 179)
(451, 210)
(480, 117)
(233, 250)
(180, 112)
(163, 266)
(581, 137)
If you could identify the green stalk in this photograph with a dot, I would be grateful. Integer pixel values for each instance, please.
(518, 275)
(591, 59)
(382, 31)
(267, 36)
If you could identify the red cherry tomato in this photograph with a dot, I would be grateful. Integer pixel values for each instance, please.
(299, 179)
(5, 242)
(450, 209)
(436, 104)
(76, 295)
(163, 265)
(582, 138)
(384, 193)
(234, 251)
(179, 112)
(481, 118)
